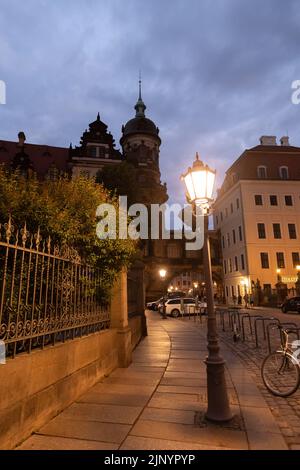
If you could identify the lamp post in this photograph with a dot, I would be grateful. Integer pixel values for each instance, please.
(298, 280)
(278, 272)
(162, 273)
(199, 182)
(195, 287)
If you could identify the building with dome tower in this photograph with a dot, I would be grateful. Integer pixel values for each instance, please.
(140, 143)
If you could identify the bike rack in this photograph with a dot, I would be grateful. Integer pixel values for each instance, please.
(263, 320)
(249, 317)
(235, 314)
(222, 313)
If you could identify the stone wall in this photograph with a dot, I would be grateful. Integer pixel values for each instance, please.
(35, 387)
(135, 324)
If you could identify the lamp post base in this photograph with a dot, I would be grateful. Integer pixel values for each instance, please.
(218, 409)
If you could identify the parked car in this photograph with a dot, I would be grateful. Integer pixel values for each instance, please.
(291, 305)
(153, 305)
(173, 306)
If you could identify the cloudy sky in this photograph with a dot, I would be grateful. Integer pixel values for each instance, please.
(216, 74)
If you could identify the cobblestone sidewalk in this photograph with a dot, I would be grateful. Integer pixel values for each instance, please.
(155, 404)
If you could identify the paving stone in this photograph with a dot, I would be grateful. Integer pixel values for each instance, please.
(123, 388)
(265, 441)
(259, 419)
(174, 381)
(86, 430)
(168, 416)
(114, 398)
(147, 443)
(102, 413)
(212, 436)
(38, 442)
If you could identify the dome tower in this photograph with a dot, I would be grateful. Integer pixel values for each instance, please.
(140, 142)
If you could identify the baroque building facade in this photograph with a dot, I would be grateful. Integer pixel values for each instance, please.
(257, 213)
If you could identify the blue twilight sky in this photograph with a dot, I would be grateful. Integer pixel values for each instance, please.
(216, 74)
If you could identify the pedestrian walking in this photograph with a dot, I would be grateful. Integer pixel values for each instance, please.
(182, 306)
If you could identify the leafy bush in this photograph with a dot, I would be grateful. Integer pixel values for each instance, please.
(65, 210)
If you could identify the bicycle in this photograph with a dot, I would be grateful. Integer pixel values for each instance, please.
(280, 370)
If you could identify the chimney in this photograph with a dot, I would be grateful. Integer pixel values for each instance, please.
(284, 141)
(22, 139)
(268, 140)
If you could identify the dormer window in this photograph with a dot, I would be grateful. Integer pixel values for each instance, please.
(101, 152)
(92, 151)
(262, 172)
(284, 172)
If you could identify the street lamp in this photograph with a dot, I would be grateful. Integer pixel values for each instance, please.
(278, 271)
(199, 182)
(298, 279)
(162, 273)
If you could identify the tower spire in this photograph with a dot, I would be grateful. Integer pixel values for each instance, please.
(140, 85)
(140, 106)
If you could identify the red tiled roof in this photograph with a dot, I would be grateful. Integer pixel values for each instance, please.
(41, 156)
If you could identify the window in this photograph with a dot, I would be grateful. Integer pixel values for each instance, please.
(101, 152)
(232, 291)
(228, 239)
(261, 230)
(237, 203)
(292, 231)
(92, 151)
(284, 172)
(295, 259)
(226, 212)
(236, 264)
(233, 236)
(273, 200)
(227, 293)
(217, 220)
(225, 266)
(267, 289)
(258, 200)
(262, 172)
(280, 260)
(288, 200)
(221, 214)
(240, 233)
(230, 265)
(264, 257)
(231, 208)
(184, 283)
(277, 231)
(223, 241)
(242, 261)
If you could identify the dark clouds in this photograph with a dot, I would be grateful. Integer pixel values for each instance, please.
(216, 74)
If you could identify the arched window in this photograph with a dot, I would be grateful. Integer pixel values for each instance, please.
(262, 172)
(284, 172)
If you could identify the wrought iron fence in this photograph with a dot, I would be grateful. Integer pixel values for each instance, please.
(47, 294)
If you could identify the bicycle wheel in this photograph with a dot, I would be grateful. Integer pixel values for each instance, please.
(280, 374)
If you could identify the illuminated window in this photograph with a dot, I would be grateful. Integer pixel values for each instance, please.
(280, 260)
